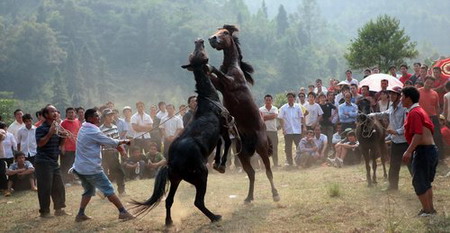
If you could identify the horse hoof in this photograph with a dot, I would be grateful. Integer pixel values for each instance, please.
(276, 198)
(169, 223)
(370, 185)
(216, 218)
(220, 169)
(248, 201)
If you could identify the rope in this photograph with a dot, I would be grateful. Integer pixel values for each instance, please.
(160, 123)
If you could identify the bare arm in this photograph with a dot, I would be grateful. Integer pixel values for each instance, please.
(416, 140)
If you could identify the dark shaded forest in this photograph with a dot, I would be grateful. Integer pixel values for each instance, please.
(87, 52)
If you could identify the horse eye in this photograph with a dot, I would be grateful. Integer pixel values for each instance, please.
(225, 32)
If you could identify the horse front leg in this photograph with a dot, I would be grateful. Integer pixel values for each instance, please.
(374, 167)
(199, 202)
(383, 155)
(169, 200)
(366, 155)
(246, 165)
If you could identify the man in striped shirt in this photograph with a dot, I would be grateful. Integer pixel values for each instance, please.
(110, 156)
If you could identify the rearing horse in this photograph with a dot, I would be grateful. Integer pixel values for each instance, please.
(231, 80)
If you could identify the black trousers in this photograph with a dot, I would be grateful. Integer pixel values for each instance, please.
(67, 160)
(273, 135)
(289, 139)
(3, 179)
(142, 143)
(113, 169)
(397, 150)
(437, 136)
(50, 185)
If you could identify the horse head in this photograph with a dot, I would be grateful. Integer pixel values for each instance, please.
(198, 57)
(361, 118)
(224, 37)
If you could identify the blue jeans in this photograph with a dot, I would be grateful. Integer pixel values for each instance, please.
(99, 181)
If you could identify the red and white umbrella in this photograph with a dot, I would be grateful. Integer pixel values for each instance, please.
(374, 81)
(444, 64)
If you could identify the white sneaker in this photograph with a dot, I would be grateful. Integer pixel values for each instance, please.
(137, 169)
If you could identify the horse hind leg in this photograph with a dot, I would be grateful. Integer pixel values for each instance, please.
(216, 164)
(246, 165)
(169, 200)
(266, 161)
(383, 155)
(199, 202)
(226, 149)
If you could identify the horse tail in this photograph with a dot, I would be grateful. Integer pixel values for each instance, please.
(159, 191)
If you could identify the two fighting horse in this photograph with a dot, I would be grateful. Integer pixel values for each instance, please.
(232, 81)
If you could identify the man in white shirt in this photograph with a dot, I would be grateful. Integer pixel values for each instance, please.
(321, 141)
(171, 126)
(17, 124)
(320, 88)
(292, 124)
(142, 123)
(315, 112)
(26, 138)
(349, 79)
(270, 115)
(162, 110)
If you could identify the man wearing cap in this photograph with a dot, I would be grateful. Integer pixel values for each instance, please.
(292, 123)
(419, 135)
(396, 130)
(110, 156)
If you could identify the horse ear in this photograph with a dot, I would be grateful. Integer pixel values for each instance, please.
(230, 28)
(188, 67)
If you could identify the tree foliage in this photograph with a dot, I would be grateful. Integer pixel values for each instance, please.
(381, 43)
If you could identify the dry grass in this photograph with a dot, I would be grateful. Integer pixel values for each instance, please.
(305, 206)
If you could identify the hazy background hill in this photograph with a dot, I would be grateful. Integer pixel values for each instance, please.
(87, 52)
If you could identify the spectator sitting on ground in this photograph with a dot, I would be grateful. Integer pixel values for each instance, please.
(344, 148)
(134, 166)
(321, 141)
(307, 150)
(19, 173)
(337, 136)
(155, 160)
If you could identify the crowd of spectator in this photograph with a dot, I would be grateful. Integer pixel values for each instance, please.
(318, 120)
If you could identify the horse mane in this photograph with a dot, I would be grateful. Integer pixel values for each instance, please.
(246, 68)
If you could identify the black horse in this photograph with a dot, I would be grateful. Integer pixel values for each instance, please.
(371, 135)
(189, 152)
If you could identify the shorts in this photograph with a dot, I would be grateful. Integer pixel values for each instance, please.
(99, 181)
(424, 163)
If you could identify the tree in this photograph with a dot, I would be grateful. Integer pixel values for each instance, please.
(380, 43)
(282, 20)
(60, 97)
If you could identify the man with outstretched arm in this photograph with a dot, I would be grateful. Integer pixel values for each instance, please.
(88, 165)
(422, 150)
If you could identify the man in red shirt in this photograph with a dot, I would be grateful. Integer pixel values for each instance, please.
(439, 84)
(405, 75)
(429, 101)
(418, 133)
(71, 124)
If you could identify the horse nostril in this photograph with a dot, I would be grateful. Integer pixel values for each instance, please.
(212, 38)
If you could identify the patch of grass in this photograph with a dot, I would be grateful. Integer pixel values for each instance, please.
(308, 203)
(334, 190)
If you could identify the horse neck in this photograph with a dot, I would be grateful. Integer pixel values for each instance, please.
(204, 86)
(231, 56)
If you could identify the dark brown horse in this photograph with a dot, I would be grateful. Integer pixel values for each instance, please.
(232, 80)
(371, 134)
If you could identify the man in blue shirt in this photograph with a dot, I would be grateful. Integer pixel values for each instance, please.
(88, 165)
(348, 112)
